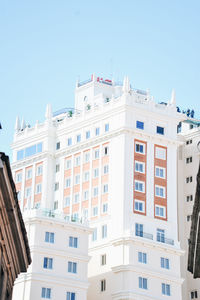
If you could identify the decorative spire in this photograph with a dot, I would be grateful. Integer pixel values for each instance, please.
(126, 85)
(17, 124)
(173, 98)
(48, 114)
(23, 124)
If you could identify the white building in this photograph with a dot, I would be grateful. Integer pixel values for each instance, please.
(59, 251)
(113, 160)
(188, 164)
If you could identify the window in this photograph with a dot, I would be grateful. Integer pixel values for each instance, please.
(49, 237)
(143, 283)
(140, 148)
(76, 198)
(71, 296)
(72, 267)
(104, 231)
(68, 182)
(160, 211)
(48, 263)
(105, 208)
(46, 293)
(18, 177)
(160, 153)
(27, 192)
(164, 263)
(39, 170)
(160, 191)
(105, 150)
(103, 285)
(87, 134)
(165, 289)
(139, 206)
(139, 167)
(95, 211)
(97, 131)
(75, 217)
(140, 125)
(188, 160)
(96, 154)
(28, 174)
(78, 138)
(139, 186)
(29, 151)
(138, 229)
(19, 195)
(189, 198)
(106, 127)
(57, 145)
(188, 142)
(73, 242)
(103, 260)
(68, 164)
(55, 205)
(96, 173)
(77, 179)
(69, 141)
(105, 188)
(57, 168)
(142, 257)
(38, 188)
(189, 179)
(193, 295)
(56, 186)
(86, 176)
(85, 213)
(94, 234)
(105, 169)
(87, 157)
(160, 235)
(191, 126)
(160, 172)
(95, 191)
(86, 195)
(77, 161)
(67, 201)
(160, 130)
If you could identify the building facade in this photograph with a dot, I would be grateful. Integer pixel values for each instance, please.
(14, 248)
(188, 165)
(59, 251)
(113, 161)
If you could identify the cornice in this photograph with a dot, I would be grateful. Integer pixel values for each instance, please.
(148, 273)
(59, 253)
(150, 244)
(54, 279)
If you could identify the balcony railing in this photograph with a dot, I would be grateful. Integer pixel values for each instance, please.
(144, 235)
(165, 240)
(84, 82)
(53, 214)
(160, 239)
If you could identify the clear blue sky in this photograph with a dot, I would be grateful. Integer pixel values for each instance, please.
(45, 45)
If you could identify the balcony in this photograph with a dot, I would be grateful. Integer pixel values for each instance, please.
(144, 235)
(165, 240)
(52, 214)
(160, 239)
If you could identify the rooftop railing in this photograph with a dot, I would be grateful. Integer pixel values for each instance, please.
(54, 215)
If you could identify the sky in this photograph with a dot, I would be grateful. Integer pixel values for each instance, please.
(47, 45)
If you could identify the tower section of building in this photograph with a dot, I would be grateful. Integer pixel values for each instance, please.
(113, 161)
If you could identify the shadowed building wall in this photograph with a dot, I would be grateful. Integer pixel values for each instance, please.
(14, 248)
